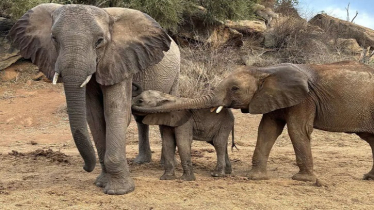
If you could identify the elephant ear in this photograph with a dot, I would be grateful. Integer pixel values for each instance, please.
(31, 34)
(285, 86)
(173, 119)
(137, 42)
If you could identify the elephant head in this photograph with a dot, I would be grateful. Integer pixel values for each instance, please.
(72, 43)
(254, 90)
(154, 98)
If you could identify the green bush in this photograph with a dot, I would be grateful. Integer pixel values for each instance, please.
(16, 8)
(168, 13)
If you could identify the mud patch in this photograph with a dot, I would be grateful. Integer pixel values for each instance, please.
(53, 156)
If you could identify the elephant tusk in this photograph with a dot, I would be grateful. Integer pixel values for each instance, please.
(86, 81)
(213, 109)
(219, 109)
(55, 78)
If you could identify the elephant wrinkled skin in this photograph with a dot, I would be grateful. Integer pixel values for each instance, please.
(96, 52)
(337, 97)
(183, 127)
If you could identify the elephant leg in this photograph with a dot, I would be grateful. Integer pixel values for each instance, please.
(168, 148)
(223, 166)
(268, 131)
(369, 138)
(145, 155)
(300, 127)
(228, 168)
(117, 112)
(183, 136)
(96, 122)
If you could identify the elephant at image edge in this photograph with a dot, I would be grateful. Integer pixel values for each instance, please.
(337, 97)
(95, 53)
(185, 126)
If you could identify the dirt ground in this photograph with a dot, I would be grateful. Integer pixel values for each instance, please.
(40, 167)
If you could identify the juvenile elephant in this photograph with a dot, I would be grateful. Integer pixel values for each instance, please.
(184, 126)
(95, 52)
(337, 97)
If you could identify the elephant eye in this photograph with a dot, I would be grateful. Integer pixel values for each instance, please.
(234, 88)
(54, 39)
(98, 42)
(140, 101)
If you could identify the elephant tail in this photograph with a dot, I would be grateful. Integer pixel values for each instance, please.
(233, 140)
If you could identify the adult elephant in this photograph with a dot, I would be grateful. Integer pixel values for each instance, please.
(337, 97)
(95, 53)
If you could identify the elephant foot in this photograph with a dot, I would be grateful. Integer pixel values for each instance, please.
(168, 176)
(119, 184)
(217, 173)
(368, 176)
(101, 180)
(305, 177)
(257, 175)
(228, 170)
(188, 177)
(143, 158)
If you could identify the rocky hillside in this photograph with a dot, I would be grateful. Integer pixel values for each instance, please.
(209, 51)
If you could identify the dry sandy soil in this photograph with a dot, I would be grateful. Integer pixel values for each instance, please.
(40, 168)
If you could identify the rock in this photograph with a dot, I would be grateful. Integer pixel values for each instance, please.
(344, 29)
(269, 40)
(247, 27)
(8, 54)
(40, 76)
(225, 36)
(9, 74)
(348, 46)
(265, 13)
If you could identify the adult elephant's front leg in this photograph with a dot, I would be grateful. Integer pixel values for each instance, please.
(117, 111)
(268, 131)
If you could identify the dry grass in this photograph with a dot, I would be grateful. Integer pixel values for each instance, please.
(292, 41)
(203, 68)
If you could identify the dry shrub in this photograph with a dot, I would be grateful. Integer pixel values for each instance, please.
(203, 68)
(295, 41)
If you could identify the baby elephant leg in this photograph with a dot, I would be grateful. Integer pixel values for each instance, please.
(168, 147)
(223, 166)
(184, 135)
(370, 139)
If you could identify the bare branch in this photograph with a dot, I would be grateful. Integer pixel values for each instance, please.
(347, 8)
(354, 17)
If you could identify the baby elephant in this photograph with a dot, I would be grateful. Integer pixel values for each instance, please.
(183, 127)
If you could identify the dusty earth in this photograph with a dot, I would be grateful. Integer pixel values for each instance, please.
(40, 168)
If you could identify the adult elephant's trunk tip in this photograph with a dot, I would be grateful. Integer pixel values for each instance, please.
(86, 150)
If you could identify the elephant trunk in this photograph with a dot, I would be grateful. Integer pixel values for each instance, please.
(76, 104)
(183, 104)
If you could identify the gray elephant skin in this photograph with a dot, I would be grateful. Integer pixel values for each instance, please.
(335, 97)
(95, 53)
(184, 126)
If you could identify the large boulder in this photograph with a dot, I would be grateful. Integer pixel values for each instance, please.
(247, 27)
(343, 29)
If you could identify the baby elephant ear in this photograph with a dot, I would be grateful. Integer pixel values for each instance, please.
(286, 85)
(173, 119)
(31, 34)
(137, 42)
